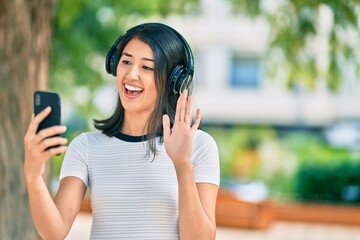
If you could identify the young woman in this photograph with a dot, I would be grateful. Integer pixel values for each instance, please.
(151, 172)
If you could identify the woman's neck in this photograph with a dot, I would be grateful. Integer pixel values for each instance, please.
(134, 124)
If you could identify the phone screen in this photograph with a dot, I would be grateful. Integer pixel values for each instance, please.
(43, 99)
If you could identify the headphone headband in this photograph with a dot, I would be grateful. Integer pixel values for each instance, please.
(180, 77)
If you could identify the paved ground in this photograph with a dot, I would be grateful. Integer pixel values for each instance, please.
(278, 231)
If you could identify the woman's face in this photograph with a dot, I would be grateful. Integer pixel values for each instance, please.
(136, 78)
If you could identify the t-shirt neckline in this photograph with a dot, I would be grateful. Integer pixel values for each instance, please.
(130, 138)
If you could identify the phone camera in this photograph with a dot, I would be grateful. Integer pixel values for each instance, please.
(37, 100)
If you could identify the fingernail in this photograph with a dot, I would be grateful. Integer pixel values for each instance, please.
(63, 128)
(48, 108)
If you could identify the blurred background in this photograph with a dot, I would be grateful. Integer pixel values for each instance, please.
(277, 82)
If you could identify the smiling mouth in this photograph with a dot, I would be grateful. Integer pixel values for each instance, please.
(132, 90)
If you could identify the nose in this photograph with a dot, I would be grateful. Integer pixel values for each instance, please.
(133, 73)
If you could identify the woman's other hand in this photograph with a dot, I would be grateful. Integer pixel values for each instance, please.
(178, 140)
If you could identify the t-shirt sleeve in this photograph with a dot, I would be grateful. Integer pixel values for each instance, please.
(75, 160)
(205, 156)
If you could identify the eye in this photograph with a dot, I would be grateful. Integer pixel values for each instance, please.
(126, 62)
(148, 68)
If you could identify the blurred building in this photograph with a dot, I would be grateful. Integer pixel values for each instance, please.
(232, 87)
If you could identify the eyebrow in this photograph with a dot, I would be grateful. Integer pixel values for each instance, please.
(129, 55)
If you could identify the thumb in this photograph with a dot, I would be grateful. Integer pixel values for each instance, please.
(166, 127)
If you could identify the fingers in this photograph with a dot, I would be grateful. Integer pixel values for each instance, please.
(166, 126)
(55, 151)
(177, 112)
(43, 140)
(49, 132)
(32, 140)
(181, 106)
(36, 120)
(184, 110)
(197, 121)
(51, 142)
(188, 111)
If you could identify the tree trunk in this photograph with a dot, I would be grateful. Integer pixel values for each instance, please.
(25, 31)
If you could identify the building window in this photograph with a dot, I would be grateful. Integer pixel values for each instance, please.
(245, 72)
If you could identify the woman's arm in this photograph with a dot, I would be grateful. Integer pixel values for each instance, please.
(196, 207)
(196, 201)
(52, 219)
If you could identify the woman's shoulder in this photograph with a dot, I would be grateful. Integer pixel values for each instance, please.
(204, 150)
(89, 137)
(201, 137)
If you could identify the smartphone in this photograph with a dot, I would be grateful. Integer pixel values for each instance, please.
(43, 99)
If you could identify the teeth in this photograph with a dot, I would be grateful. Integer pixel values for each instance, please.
(132, 88)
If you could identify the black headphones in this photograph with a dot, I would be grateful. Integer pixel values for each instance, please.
(180, 77)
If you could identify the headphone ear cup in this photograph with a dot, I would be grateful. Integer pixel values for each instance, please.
(113, 64)
(111, 61)
(177, 80)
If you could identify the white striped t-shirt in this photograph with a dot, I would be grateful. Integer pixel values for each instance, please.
(132, 195)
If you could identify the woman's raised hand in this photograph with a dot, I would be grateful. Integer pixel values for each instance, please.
(178, 140)
(36, 145)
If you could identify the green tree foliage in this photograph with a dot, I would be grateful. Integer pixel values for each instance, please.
(310, 41)
(236, 142)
